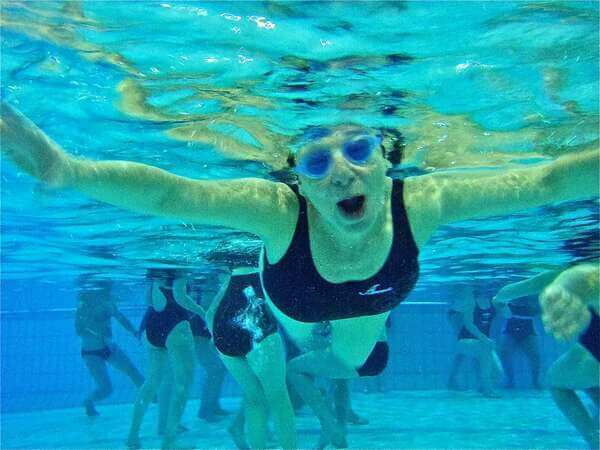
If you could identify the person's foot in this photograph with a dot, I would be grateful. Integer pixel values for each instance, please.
(509, 384)
(221, 412)
(180, 429)
(355, 419)
(335, 434)
(212, 416)
(90, 409)
(237, 434)
(491, 394)
(133, 443)
(454, 386)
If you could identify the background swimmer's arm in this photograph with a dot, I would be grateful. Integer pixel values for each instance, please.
(124, 321)
(212, 310)
(530, 286)
(437, 199)
(183, 299)
(253, 205)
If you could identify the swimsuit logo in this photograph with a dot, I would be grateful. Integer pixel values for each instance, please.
(374, 290)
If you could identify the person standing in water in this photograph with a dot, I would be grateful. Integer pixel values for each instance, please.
(245, 335)
(95, 311)
(170, 344)
(345, 233)
(520, 333)
(474, 340)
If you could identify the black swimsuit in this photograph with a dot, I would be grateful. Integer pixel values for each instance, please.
(590, 338)
(297, 289)
(158, 324)
(523, 310)
(238, 324)
(482, 319)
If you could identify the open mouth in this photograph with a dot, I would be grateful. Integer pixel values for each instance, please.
(352, 207)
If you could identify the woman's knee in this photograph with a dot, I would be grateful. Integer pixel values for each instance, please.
(254, 400)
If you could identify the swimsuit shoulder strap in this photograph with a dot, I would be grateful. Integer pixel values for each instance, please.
(300, 238)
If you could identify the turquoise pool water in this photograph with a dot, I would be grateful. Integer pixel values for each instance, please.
(218, 90)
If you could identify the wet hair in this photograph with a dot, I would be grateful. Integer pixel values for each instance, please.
(583, 247)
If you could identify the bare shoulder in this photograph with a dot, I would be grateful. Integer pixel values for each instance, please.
(275, 212)
(423, 206)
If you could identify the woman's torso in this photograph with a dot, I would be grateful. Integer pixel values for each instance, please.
(159, 323)
(483, 315)
(358, 309)
(523, 311)
(239, 321)
(93, 323)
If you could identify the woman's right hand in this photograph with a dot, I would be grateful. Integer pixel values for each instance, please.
(31, 149)
(564, 313)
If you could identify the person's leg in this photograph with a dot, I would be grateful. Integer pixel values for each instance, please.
(320, 363)
(164, 398)
(236, 429)
(157, 361)
(121, 361)
(180, 351)
(531, 348)
(489, 369)
(254, 403)
(487, 361)
(594, 395)
(267, 360)
(574, 370)
(459, 359)
(458, 363)
(508, 347)
(97, 368)
(342, 402)
(215, 374)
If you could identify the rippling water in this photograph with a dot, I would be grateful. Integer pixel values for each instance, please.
(220, 89)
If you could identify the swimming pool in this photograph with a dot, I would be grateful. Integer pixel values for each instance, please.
(219, 90)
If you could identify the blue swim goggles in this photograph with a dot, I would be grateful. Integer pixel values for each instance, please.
(317, 163)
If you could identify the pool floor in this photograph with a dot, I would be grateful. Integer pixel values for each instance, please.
(400, 419)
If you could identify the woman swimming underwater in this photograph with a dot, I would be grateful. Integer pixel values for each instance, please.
(340, 248)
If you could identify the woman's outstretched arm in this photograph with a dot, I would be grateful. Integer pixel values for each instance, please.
(257, 206)
(437, 199)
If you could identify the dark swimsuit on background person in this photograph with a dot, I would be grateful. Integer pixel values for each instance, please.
(298, 290)
(158, 324)
(523, 310)
(104, 353)
(237, 324)
(482, 319)
(590, 338)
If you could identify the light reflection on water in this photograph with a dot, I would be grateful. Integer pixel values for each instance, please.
(470, 85)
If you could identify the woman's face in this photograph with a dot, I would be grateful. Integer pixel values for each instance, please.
(350, 195)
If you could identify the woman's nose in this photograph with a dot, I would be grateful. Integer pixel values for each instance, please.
(341, 175)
